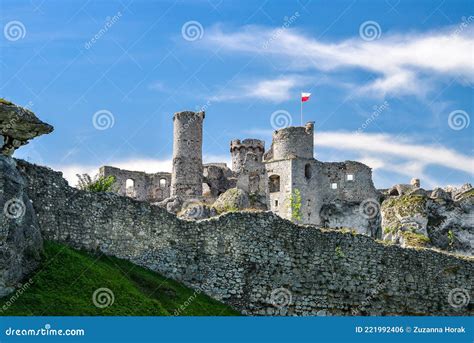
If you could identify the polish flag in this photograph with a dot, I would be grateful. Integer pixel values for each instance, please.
(305, 97)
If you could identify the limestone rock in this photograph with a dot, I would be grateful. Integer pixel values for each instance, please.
(439, 193)
(232, 200)
(363, 217)
(437, 221)
(20, 239)
(172, 204)
(196, 210)
(466, 191)
(400, 189)
(17, 126)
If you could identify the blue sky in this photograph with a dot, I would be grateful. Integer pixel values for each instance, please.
(392, 81)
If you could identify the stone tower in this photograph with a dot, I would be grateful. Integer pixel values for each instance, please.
(240, 149)
(293, 142)
(187, 175)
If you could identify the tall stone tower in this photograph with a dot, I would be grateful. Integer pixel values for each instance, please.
(240, 149)
(186, 178)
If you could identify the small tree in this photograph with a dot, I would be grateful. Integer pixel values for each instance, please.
(96, 184)
(295, 205)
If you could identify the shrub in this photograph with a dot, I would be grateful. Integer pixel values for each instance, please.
(295, 205)
(5, 102)
(451, 238)
(96, 184)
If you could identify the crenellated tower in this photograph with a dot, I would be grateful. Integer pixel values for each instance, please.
(240, 149)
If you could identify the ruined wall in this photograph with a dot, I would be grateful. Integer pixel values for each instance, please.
(217, 179)
(146, 187)
(279, 178)
(353, 203)
(251, 260)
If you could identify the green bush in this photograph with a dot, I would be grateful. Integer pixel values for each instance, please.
(96, 184)
(295, 205)
(5, 102)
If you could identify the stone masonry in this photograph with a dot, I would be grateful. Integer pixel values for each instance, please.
(253, 260)
(187, 175)
(332, 194)
(142, 186)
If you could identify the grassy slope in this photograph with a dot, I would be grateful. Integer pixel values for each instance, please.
(67, 279)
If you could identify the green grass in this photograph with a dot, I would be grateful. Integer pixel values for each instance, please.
(415, 239)
(65, 283)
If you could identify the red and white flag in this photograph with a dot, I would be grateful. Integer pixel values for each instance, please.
(305, 97)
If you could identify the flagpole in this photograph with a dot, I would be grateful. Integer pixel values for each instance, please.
(301, 110)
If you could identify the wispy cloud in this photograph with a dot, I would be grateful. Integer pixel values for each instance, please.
(274, 90)
(402, 63)
(390, 145)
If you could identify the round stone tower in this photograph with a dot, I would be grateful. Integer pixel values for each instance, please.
(293, 142)
(240, 149)
(186, 178)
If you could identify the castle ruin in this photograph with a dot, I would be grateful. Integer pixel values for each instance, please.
(330, 194)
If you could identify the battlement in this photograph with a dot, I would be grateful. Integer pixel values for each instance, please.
(189, 115)
(249, 143)
(240, 149)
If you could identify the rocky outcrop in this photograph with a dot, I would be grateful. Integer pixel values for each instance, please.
(196, 210)
(232, 200)
(437, 220)
(363, 217)
(18, 125)
(20, 238)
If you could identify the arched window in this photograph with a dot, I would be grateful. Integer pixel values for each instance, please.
(206, 189)
(130, 187)
(274, 183)
(163, 182)
(307, 171)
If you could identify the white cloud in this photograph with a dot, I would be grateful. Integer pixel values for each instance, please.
(397, 155)
(400, 62)
(275, 90)
(392, 146)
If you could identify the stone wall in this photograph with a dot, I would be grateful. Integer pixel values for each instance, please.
(353, 203)
(256, 262)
